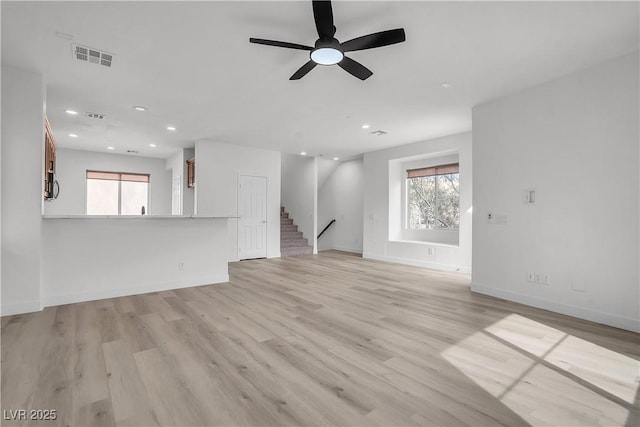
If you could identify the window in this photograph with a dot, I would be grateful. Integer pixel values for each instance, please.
(433, 197)
(115, 193)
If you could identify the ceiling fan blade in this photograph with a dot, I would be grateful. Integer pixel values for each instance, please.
(302, 71)
(355, 68)
(280, 44)
(383, 38)
(323, 15)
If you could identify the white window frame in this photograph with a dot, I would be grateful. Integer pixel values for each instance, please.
(148, 182)
(407, 203)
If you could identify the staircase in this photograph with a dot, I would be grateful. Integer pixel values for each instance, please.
(291, 241)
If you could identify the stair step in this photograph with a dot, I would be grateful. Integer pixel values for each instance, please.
(293, 251)
(293, 242)
(289, 235)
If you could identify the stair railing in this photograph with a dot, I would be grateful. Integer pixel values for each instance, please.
(326, 228)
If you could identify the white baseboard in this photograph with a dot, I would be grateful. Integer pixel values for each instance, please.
(54, 300)
(570, 310)
(418, 263)
(20, 308)
(348, 249)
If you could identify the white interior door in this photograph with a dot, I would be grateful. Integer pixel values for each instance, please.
(252, 212)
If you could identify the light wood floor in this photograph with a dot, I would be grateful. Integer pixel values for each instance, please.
(318, 340)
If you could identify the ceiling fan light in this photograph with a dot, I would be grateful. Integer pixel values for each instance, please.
(326, 56)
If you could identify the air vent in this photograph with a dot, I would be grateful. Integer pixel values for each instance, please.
(106, 59)
(132, 151)
(88, 54)
(96, 115)
(81, 53)
(378, 132)
(94, 56)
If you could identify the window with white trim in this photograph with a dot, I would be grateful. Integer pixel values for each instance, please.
(117, 193)
(433, 197)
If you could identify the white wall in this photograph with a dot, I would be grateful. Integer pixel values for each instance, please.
(94, 258)
(384, 184)
(0, 209)
(174, 165)
(575, 141)
(71, 168)
(299, 189)
(341, 198)
(218, 166)
(23, 102)
(325, 169)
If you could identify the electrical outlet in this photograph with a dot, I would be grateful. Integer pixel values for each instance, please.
(501, 219)
(530, 277)
(490, 218)
(537, 278)
(180, 265)
(430, 251)
(546, 280)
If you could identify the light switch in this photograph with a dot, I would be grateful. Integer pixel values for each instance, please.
(529, 196)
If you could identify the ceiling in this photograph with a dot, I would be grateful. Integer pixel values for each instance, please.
(192, 66)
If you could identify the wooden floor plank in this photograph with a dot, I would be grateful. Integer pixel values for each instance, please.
(172, 402)
(90, 375)
(129, 397)
(56, 380)
(24, 343)
(317, 340)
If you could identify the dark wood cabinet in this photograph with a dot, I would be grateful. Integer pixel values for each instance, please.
(191, 172)
(49, 161)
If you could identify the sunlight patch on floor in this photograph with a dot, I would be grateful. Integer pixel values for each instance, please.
(613, 372)
(547, 376)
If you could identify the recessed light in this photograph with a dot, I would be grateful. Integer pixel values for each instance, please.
(153, 145)
(303, 153)
(139, 108)
(336, 158)
(73, 113)
(446, 85)
(365, 126)
(110, 148)
(171, 128)
(73, 135)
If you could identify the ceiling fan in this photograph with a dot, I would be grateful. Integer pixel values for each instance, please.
(329, 51)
